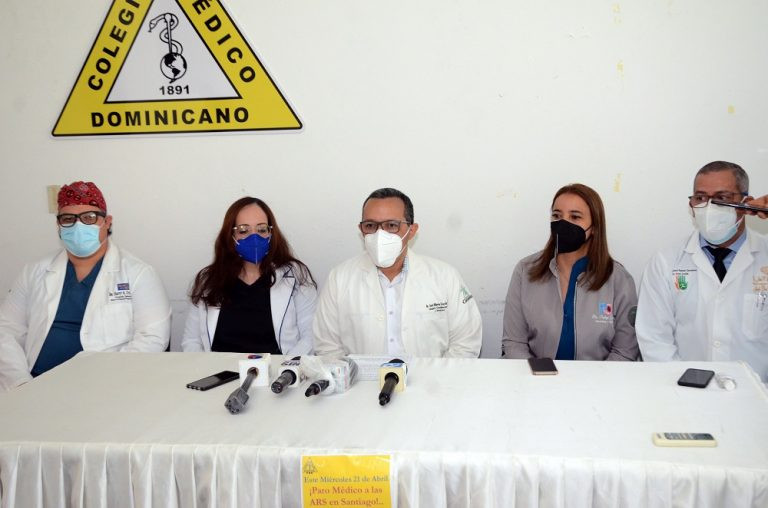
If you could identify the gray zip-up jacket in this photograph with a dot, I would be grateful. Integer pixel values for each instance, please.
(533, 316)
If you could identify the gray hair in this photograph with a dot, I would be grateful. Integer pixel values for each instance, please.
(742, 179)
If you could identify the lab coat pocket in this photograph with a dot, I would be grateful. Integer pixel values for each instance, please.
(433, 324)
(118, 324)
(428, 334)
(755, 317)
(432, 316)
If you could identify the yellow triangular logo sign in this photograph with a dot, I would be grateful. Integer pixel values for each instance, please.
(170, 66)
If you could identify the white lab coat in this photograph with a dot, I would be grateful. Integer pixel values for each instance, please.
(136, 317)
(439, 316)
(292, 305)
(684, 312)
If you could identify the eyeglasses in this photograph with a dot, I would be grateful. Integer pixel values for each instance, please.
(246, 229)
(700, 200)
(67, 220)
(368, 227)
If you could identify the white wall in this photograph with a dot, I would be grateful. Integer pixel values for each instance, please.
(478, 110)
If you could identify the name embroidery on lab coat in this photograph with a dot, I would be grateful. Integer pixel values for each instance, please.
(121, 292)
(437, 306)
(680, 278)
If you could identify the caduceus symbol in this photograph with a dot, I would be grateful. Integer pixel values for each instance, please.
(172, 65)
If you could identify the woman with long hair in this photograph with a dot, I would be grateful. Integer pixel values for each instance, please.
(572, 301)
(255, 297)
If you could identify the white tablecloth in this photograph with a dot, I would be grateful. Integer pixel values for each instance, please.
(121, 429)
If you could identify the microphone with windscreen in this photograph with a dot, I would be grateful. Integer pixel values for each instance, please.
(237, 399)
(391, 379)
(290, 375)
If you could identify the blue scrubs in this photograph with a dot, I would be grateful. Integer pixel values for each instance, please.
(566, 349)
(63, 340)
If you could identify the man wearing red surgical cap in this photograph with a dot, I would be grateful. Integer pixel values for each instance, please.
(91, 296)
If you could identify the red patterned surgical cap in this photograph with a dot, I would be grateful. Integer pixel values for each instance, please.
(81, 193)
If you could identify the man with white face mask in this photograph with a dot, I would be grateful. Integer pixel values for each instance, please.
(707, 299)
(389, 301)
(90, 296)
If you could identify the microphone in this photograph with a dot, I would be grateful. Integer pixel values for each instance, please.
(237, 399)
(328, 375)
(317, 387)
(288, 376)
(391, 379)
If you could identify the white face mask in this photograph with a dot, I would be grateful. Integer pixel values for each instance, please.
(716, 224)
(384, 248)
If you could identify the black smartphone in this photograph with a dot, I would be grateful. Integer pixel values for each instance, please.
(542, 366)
(740, 206)
(696, 378)
(218, 379)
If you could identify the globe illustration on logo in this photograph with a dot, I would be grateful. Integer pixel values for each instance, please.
(173, 66)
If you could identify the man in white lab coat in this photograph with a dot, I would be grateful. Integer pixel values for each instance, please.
(707, 297)
(390, 301)
(90, 296)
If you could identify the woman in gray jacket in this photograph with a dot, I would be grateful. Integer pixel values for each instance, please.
(572, 301)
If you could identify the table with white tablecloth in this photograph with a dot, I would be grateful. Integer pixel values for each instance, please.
(121, 429)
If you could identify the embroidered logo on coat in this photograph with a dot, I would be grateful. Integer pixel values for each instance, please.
(681, 278)
(760, 281)
(604, 313)
(121, 293)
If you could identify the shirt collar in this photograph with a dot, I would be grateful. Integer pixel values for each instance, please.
(398, 278)
(735, 246)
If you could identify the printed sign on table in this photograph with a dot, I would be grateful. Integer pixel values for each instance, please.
(345, 480)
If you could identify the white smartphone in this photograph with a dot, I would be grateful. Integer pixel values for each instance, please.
(683, 439)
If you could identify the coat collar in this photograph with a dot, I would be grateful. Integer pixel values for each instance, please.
(740, 263)
(751, 244)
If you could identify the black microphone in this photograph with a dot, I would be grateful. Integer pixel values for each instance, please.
(288, 376)
(237, 399)
(317, 387)
(390, 375)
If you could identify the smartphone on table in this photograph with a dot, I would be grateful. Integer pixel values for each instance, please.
(218, 379)
(696, 439)
(696, 378)
(542, 366)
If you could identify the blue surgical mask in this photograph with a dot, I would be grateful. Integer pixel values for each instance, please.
(81, 240)
(252, 248)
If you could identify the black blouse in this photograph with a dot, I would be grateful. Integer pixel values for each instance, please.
(245, 320)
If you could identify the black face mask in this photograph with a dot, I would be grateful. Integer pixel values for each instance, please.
(568, 236)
